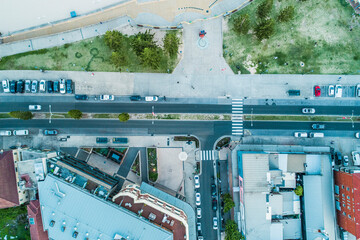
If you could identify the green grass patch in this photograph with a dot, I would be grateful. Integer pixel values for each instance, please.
(297, 118)
(13, 222)
(4, 115)
(103, 115)
(326, 45)
(152, 164)
(86, 55)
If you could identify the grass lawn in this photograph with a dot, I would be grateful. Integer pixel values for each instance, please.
(13, 222)
(324, 35)
(87, 55)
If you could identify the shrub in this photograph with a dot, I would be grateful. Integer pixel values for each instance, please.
(75, 114)
(151, 57)
(21, 115)
(228, 202)
(242, 24)
(231, 231)
(124, 117)
(171, 43)
(264, 29)
(264, 9)
(114, 40)
(141, 41)
(286, 14)
(299, 190)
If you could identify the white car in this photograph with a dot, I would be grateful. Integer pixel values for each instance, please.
(197, 199)
(346, 161)
(308, 110)
(42, 85)
(151, 98)
(338, 91)
(62, 86)
(5, 85)
(357, 135)
(27, 86)
(107, 97)
(215, 223)
(197, 181)
(301, 134)
(20, 132)
(198, 212)
(356, 158)
(34, 107)
(331, 90)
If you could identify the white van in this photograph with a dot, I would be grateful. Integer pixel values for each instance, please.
(301, 134)
(21, 132)
(5, 133)
(316, 135)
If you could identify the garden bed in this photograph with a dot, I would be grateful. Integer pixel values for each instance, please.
(152, 164)
(136, 166)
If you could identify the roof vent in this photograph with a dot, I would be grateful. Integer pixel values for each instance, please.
(52, 223)
(75, 234)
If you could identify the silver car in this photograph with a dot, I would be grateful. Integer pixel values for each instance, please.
(34, 86)
(331, 90)
(358, 90)
(27, 86)
(308, 110)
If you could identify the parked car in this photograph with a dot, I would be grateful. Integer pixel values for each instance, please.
(42, 86)
(13, 86)
(294, 92)
(20, 86)
(34, 86)
(51, 132)
(5, 133)
(56, 86)
(346, 161)
(62, 86)
(20, 132)
(34, 107)
(198, 212)
(357, 90)
(151, 98)
(101, 140)
(5, 86)
(215, 223)
(107, 97)
(338, 91)
(338, 158)
(197, 199)
(214, 204)
(213, 190)
(318, 126)
(197, 181)
(120, 140)
(69, 86)
(331, 90)
(317, 135)
(301, 134)
(135, 98)
(357, 135)
(28, 86)
(81, 97)
(198, 227)
(308, 110)
(50, 86)
(356, 158)
(317, 91)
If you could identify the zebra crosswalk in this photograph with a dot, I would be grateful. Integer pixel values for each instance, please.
(237, 117)
(207, 155)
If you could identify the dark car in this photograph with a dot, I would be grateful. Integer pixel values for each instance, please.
(56, 86)
(213, 190)
(20, 86)
(318, 126)
(81, 97)
(50, 132)
(338, 158)
(50, 87)
(135, 98)
(69, 86)
(13, 86)
(101, 140)
(214, 204)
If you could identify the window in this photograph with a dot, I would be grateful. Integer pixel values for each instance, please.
(347, 188)
(349, 216)
(337, 204)
(344, 205)
(31, 220)
(343, 195)
(337, 190)
(342, 186)
(349, 207)
(344, 213)
(348, 197)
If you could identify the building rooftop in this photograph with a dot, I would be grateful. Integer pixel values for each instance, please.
(65, 214)
(36, 227)
(8, 184)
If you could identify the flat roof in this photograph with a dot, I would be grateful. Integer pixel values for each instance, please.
(90, 216)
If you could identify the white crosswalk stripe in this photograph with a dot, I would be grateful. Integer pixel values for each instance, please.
(237, 116)
(207, 155)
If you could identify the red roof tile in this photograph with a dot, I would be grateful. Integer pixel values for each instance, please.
(36, 227)
(8, 190)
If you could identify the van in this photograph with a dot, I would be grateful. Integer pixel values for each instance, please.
(301, 134)
(316, 135)
(5, 133)
(294, 92)
(21, 132)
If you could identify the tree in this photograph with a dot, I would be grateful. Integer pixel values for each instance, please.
(299, 190)
(228, 202)
(242, 24)
(124, 117)
(21, 115)
(151, 57)
(286, 14)
(114, 40)
(141, 41)
(264, 29)
(171, 43)
(231, 231)
(75, 114)
(264, 9)
(119, 58)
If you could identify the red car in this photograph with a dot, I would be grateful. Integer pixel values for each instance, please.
(317, 91)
